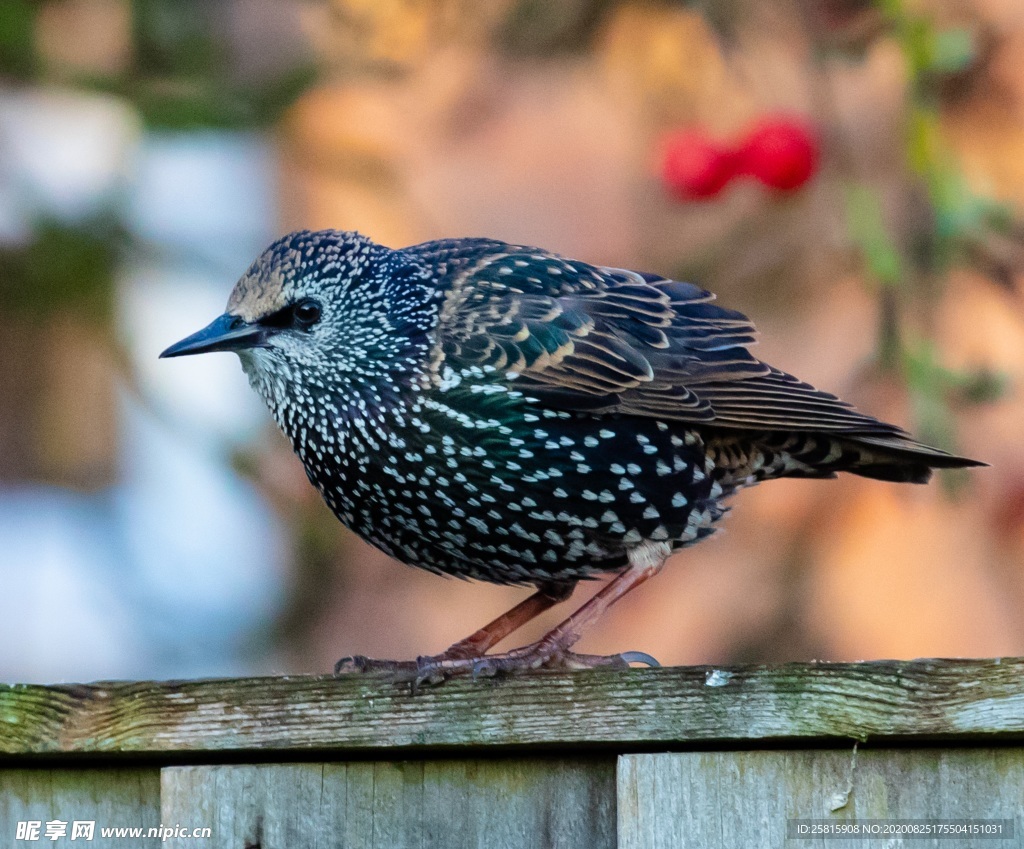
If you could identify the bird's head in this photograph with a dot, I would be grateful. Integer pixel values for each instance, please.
(319, 308)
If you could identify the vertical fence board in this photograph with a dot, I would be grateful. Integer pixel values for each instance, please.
(497, 804)
(700, 800)
(111, 798)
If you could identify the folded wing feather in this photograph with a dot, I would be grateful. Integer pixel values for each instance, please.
(608, 340)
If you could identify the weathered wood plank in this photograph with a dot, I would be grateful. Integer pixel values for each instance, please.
(456, 804)
(700, 800)
(926, 699)
(113, 798)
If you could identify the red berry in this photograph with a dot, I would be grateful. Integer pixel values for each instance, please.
(694, 167)
(780, 152)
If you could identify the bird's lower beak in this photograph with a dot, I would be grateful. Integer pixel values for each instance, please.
(225, 333)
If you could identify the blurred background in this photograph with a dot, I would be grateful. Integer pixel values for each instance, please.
(848, 173)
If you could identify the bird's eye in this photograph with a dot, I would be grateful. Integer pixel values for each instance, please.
(307, 313)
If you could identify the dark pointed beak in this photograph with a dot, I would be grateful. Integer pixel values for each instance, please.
(225, 333)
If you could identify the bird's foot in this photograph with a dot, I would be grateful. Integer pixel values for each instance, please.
(436, 669)
(402, 669)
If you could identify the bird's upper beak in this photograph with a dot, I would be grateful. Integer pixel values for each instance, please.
(225, 333)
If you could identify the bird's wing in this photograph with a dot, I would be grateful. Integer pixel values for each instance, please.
(607, 340)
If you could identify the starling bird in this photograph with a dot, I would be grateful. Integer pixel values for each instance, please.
(500, 412)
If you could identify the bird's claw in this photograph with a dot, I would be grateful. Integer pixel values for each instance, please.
(429, 671)
(639, 657)
(355, 663)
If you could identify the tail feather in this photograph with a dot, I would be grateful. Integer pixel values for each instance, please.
(898, 458)
(888, 456)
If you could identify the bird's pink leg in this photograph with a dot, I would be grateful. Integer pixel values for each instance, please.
(477, 643)
(494, 632)
(552, 650)
(467, 657)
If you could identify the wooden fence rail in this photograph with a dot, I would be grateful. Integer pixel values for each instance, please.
(680, 757)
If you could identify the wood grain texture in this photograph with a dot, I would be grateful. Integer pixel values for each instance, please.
(951, 700)
(699, 800)
(119, 797)
(456, 804)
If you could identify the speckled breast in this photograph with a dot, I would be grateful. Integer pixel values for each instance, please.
(545, 496)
